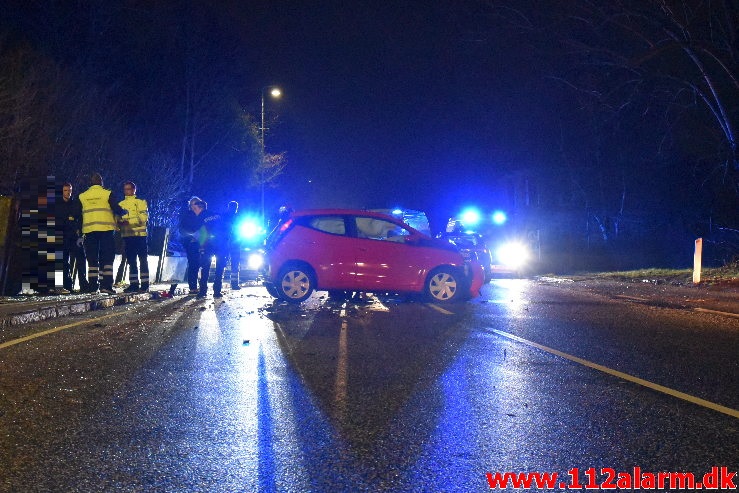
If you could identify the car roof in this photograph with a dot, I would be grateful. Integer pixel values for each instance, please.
(342, 212)
(354, 212)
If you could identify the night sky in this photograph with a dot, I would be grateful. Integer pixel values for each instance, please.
(393, 104)
(426, 105)
(399, 103)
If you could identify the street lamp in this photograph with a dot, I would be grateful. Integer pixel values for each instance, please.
(274, 92)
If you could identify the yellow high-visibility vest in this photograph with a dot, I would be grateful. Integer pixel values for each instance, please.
(96, 212)
(137, 217)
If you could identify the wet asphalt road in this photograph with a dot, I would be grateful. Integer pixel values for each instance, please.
(389, 395)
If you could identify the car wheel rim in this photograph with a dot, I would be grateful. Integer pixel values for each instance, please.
(295, 284)
(443, 286)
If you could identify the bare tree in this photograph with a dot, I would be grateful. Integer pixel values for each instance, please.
(26, 115)
(265, 167)
(654, 83)
(164, 189)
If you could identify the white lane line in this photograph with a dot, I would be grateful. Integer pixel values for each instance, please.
(439, 309)
(55, 329)
(625, 376)
(717, 312)
(631, 298)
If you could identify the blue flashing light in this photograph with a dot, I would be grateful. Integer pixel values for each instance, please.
(471, 217)
(397, 212)
(249, 229)
(499, 217)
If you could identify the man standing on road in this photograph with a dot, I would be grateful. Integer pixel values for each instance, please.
(98, 226)
(213, 242)
(233, 252)
(133, 231)
(190, 225)
(68, 214)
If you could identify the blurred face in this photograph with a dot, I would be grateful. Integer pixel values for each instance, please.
(66, 192)
(128, 190)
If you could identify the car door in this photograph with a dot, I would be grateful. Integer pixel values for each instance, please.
(384, 260)
(324, 244)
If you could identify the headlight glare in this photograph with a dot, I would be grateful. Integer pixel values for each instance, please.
(513, 254)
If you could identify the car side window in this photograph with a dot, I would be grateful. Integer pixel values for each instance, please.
(328, 224)
(379, 229)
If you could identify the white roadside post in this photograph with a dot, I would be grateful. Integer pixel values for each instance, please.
(697, 260)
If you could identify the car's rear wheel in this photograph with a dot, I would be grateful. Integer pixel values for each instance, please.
(445, 285)
(295, 283)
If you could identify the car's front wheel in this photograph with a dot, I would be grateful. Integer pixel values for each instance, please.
(445, 285)
(295, 284)
(272, 290)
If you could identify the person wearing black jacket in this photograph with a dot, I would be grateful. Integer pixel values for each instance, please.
(68, 215)
(213, 242)
(233, 252)
(190, 225)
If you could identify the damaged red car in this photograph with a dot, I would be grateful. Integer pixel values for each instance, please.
(363, 251)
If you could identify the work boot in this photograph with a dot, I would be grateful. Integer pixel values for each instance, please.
(144, 287)
(235, 287)
(134, 287)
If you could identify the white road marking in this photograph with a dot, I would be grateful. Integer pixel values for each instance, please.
(55, 329)
(625, 376)
(631, 298)
(717, 312)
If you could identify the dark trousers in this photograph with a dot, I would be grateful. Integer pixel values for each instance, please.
(100, 251)
(136, 254)
(73, 257)
(192, 249)
(234, 254)
(206, 258)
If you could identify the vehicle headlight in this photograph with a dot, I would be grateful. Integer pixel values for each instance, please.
(513, 254)
(255, 261)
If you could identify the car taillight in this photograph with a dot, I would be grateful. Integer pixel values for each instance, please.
(278, 234)
(285, 226)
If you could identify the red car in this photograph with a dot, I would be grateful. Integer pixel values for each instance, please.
(356, 250)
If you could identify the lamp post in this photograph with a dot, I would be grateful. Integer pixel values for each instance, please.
(275, 92)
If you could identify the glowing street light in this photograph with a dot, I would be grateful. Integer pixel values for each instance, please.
(275, 93)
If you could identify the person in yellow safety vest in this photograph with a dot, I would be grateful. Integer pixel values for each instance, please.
(98, 228)
(133, 231)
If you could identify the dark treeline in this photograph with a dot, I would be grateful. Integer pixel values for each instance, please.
(145, 91)
(612, 125)
(646, 98)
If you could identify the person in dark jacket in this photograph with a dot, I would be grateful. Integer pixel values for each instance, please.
(190, 225)
(68, 215)
(233, 252)
(213, 240)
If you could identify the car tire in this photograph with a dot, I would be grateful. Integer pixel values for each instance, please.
(272, 290)
(445, 285)
(295, 283)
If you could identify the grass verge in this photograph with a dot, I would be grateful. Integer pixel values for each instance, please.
(728, 274)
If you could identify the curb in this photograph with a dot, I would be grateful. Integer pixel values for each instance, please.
(56, 309)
